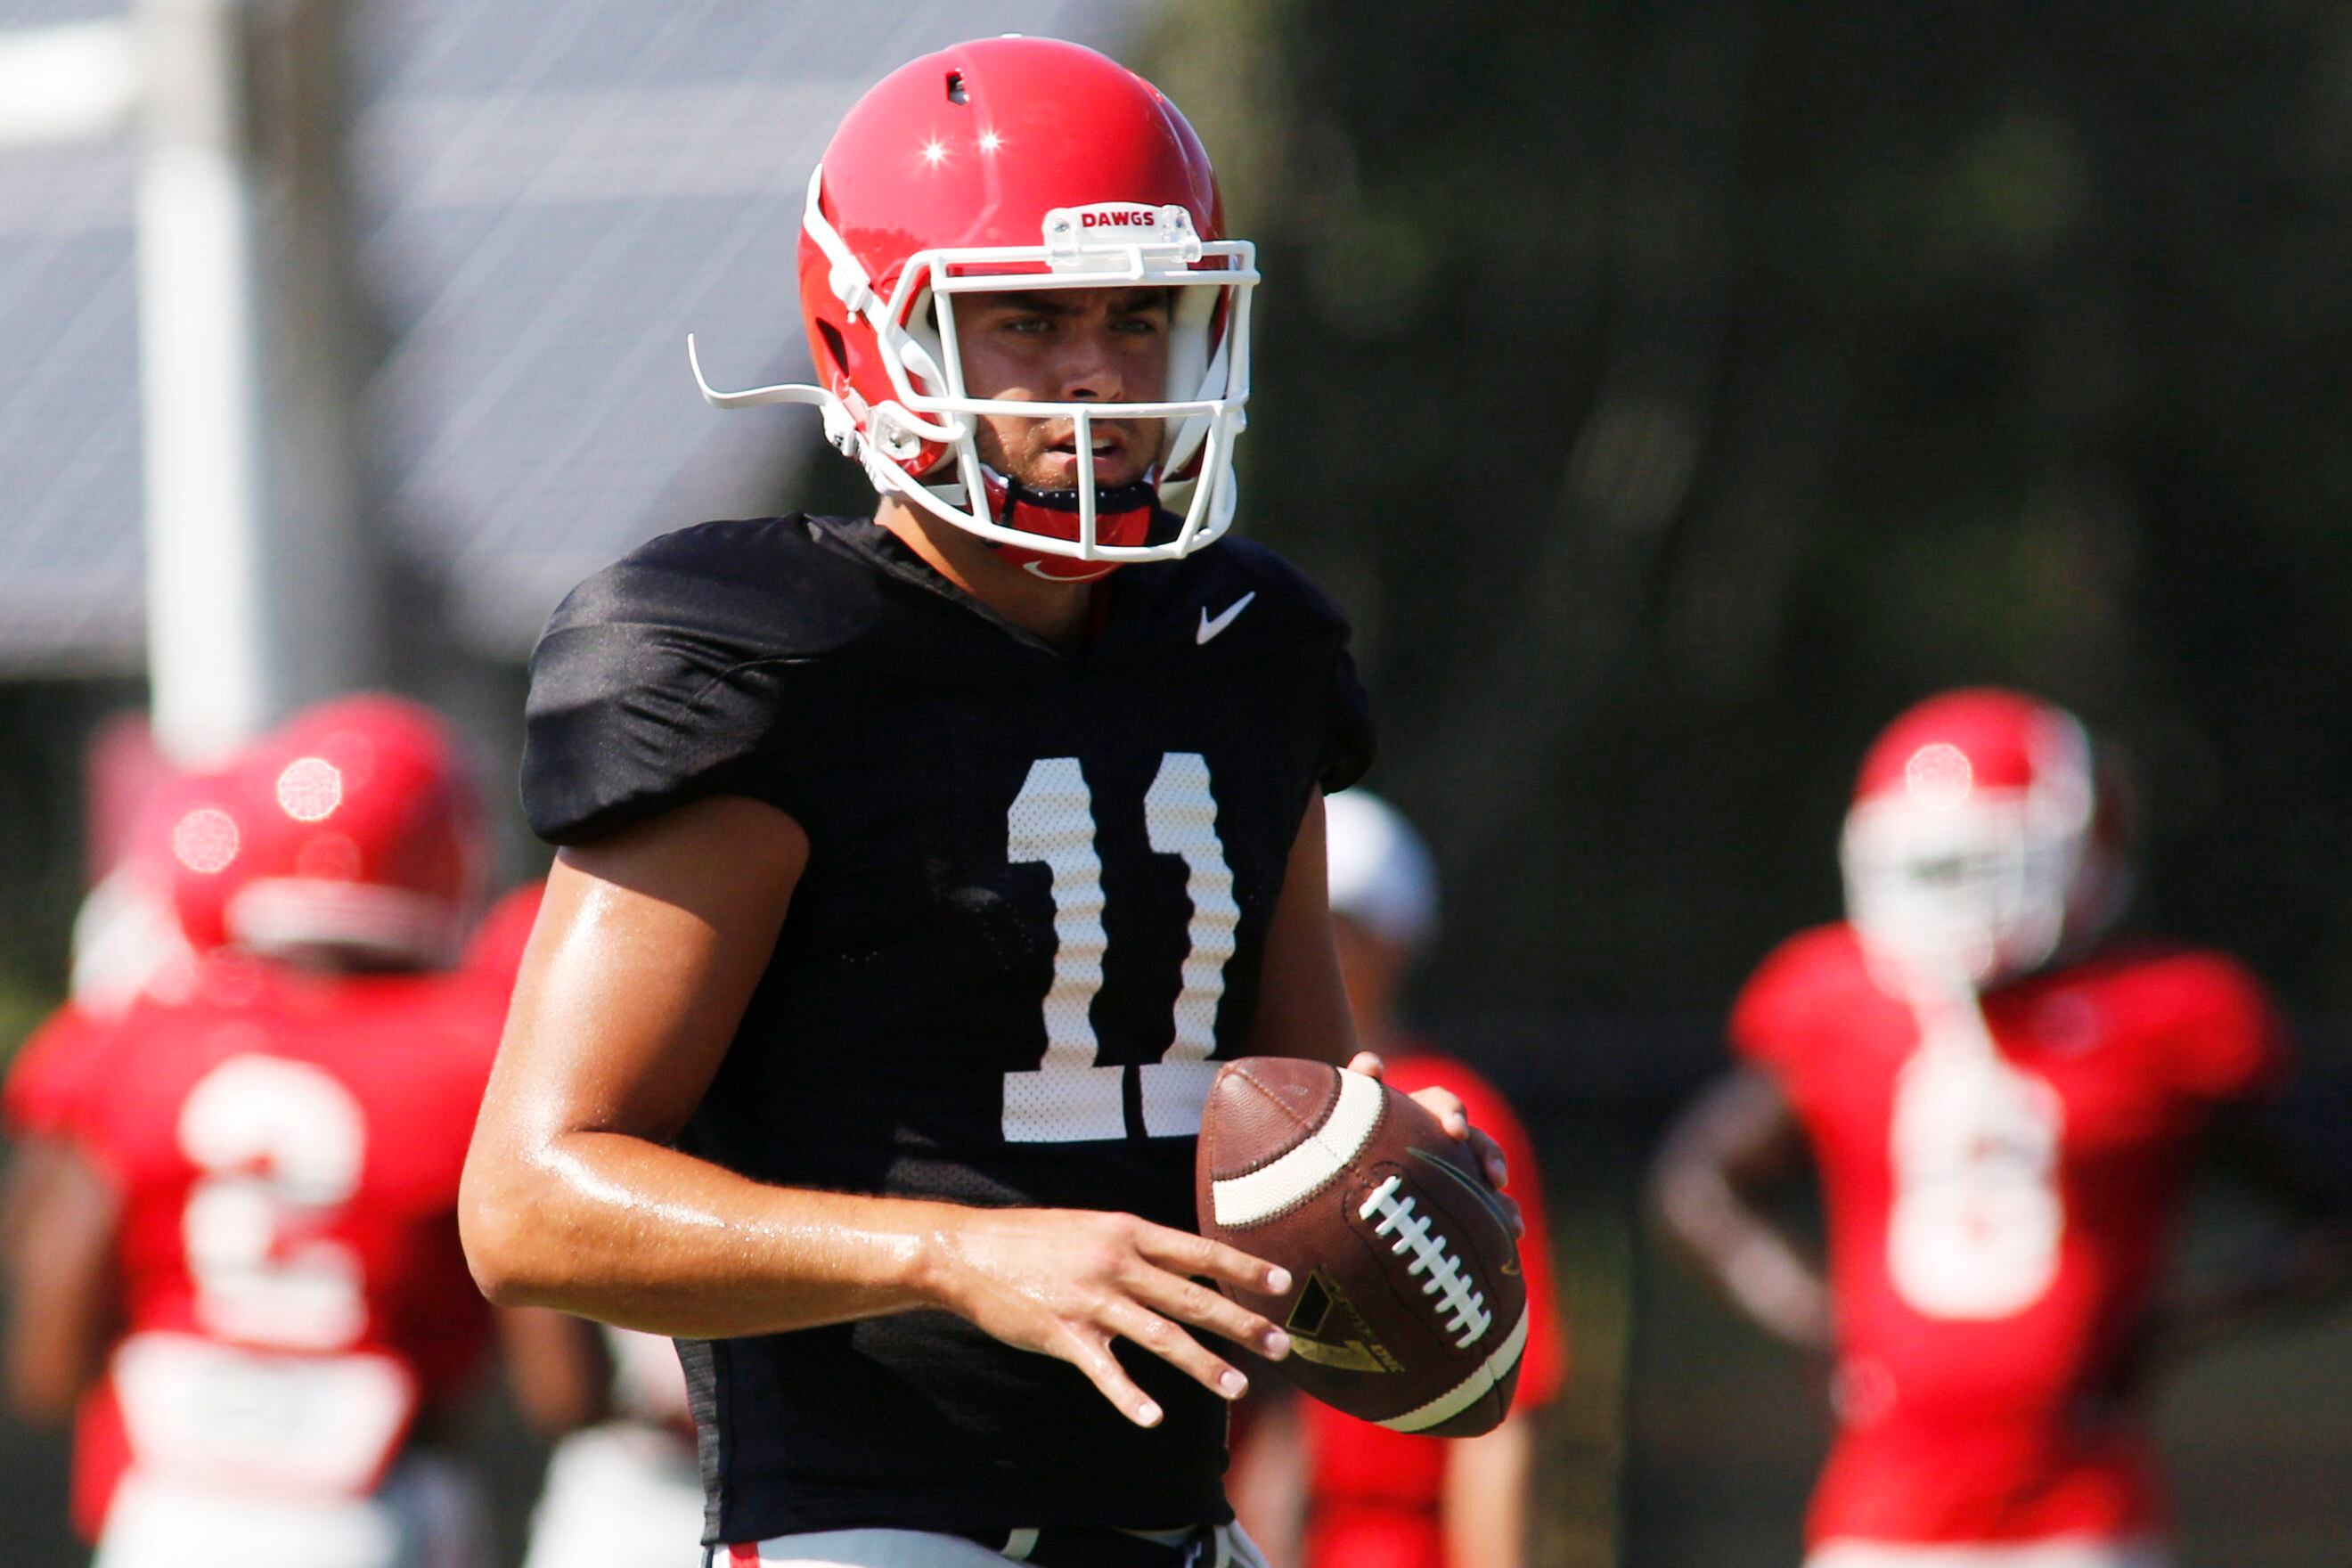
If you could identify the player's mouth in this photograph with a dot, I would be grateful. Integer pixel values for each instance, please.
(1112, 449)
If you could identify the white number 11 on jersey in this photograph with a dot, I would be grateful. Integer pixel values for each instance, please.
(1069, 1096)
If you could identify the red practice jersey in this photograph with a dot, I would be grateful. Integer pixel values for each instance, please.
(50, 1072)
(1374, 1495)
(287, 1147)
(2000, 1184)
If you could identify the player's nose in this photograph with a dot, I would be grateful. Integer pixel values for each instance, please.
(1089, 368)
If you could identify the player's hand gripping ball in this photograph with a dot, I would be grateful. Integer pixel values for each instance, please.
(1406, 1304)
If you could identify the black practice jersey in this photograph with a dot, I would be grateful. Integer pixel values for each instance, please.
(1033, 917)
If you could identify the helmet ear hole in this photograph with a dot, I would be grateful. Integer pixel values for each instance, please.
(956, 93)
(837, 347)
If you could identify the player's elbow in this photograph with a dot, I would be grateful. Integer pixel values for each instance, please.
(44, 1387)
(1668, 1193)
(1686, 1203)
(506, 1243)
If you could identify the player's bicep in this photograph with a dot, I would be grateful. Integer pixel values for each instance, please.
(1302, 1008)
(646, 953)
(63, 1288)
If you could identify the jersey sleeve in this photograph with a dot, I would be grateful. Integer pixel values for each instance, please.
(1348, 745)
(2229, 1042)
(660, 681)
(1774, 1016)
(49, 1077)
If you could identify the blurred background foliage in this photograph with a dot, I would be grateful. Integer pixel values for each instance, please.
(1674, 392)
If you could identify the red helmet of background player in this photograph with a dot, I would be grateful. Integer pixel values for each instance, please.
(199, 834)
(364, 835)
(1980, 838)
(1019, 164)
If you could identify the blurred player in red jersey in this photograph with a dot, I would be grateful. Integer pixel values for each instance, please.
(2005, 1107)
(128, 940)
(250, 1249)
(1324, 1490)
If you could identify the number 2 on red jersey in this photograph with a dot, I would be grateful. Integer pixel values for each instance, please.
(279, 1146)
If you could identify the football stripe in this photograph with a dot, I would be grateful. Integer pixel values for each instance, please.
(1470, 1390)
(1321, 1155)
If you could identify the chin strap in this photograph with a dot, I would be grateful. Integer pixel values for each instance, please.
(1122, 517)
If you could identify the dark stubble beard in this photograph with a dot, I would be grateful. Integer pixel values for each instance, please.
(1034, 467)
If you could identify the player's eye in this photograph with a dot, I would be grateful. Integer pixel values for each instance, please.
(1011, 318)
(1149, 317)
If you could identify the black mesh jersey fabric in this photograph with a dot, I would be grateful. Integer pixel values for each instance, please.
(1033, 913)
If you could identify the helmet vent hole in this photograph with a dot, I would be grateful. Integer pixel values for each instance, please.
(956, 93)
(835, 345)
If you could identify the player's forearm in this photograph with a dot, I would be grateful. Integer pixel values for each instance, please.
(51, 1358)
(1748, 1258)
(1486, 1480)
(1268, 1478)
(1302, 1009)
(63, 1291)
(1738, 1139)
(631, 1233)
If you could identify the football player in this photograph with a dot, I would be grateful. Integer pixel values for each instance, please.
(2004, 1105)
(916, 870)
(129, 938)
(1325, 1490)
(248, 1259)
(132, 938)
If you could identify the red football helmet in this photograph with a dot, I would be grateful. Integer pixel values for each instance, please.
(1981, 839)
(364, 834)
(1018, 164)
(187, 855)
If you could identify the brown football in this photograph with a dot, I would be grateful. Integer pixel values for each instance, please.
(1406, 1304)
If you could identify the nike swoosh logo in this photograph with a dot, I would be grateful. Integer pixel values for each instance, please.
(1210, 626)
(1471, 1184)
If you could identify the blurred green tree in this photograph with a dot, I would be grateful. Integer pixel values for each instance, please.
(1674, 392)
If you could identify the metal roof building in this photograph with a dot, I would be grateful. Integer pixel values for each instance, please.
(553, 197)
